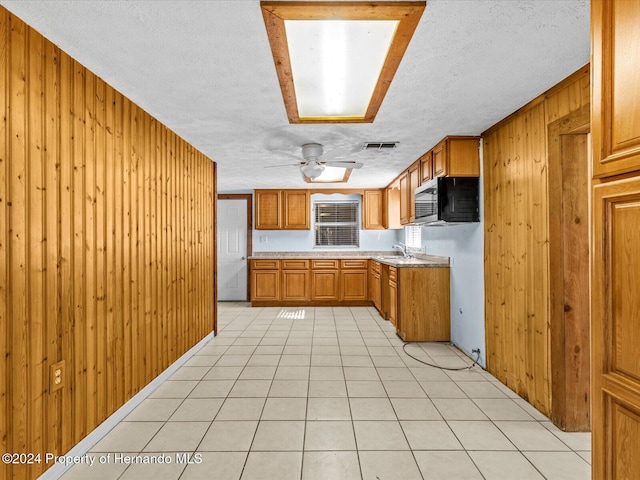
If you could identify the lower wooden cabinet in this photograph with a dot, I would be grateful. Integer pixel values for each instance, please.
(265, 285)
(419, 303)
(353, 285)
(296, 281)
(392, 303)
(324, 285)
(290, 282)
(375, 290)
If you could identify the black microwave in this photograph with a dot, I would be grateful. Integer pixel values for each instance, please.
(448, 200)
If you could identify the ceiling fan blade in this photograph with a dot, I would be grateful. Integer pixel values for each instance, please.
(344, 164)
(336, 153)
(285, 165)
(279, 139)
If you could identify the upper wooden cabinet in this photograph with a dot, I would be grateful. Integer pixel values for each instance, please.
(439, 167)
(282, 210)
(409, 181)
(405, 211)
(615, 119)
(457, 157)
(393, 194)
(414, 182)
(268, 210)
(374, 209)
(426, 166)
(296, 210)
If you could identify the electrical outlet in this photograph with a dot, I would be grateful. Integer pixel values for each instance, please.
(476, 350)
(57, 376)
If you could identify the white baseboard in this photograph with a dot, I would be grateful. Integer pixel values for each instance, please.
(105, 427)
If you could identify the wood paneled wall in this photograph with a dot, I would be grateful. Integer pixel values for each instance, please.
(517, 261)
(106, 247)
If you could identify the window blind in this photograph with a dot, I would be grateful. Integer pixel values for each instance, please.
(336, 224)
(413, 236)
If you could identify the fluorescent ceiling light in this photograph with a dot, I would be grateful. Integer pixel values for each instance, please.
(336, 64)
(336, 60)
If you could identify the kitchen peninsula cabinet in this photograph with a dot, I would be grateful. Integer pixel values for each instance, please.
(282, 210)
(418, 303)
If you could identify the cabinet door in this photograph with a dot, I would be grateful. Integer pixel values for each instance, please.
(295, 285)
(414, 182)
(375, 291)
(268, 207)
(296, 210)
(324, 285)
(393, 304)
(265, 285)
(354, 284)
(462, 156)
(615, 106)
(405, 212)
(373, 209)
(440, 159)
(393, 205)
(615, 307)
(426, 167)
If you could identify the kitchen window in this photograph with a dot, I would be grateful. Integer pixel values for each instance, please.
(337, 224)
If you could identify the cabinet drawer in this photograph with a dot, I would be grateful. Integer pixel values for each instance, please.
(375, 267)
(324, 264)
(295, 264)
(265, 264)
(354, 263)
(393, 274)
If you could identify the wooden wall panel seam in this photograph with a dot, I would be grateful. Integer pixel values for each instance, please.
(5, 288)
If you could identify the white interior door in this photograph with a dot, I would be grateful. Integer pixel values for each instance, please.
(232, 250)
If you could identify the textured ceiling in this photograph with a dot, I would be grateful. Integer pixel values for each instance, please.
(204, 68)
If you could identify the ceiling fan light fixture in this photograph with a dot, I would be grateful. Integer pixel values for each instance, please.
(312, 170)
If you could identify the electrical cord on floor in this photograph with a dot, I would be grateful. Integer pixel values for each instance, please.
(475, 362)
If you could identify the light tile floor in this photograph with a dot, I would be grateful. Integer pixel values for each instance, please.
(328, 393)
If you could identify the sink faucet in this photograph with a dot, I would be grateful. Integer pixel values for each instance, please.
(404, 249)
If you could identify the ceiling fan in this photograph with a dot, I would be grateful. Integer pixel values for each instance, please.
(315, 160)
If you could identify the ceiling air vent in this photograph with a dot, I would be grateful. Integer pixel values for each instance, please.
(380, 145)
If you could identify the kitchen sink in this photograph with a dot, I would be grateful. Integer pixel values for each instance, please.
(400, 259)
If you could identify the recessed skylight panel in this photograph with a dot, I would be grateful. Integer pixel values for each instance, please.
(336, 64)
